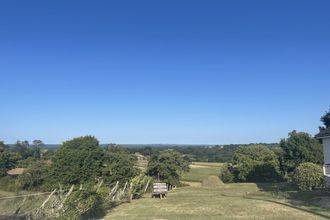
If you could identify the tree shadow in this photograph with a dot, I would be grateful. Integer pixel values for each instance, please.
(295, 199)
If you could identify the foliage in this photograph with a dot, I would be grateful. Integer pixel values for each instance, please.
(326, 119)
(308, 176)
(8, 159)
(119, 165)
(34, 177)
(167, 166)
(22, 148)
(78, 160)
(138, 185)
(83, 203)
(227, 174)
(298, 148)
(256, 163)
(216, 153)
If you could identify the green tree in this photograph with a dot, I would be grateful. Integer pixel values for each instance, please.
(8, 159)
(326, 119)
(167, 166)
(35, 148)
(78, 160)
(256, 163)
(22, 148)
(119, 165)
(298, 148)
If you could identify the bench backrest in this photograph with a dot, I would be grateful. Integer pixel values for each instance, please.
(160, 188)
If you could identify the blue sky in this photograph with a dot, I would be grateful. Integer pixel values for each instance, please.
(194, 72)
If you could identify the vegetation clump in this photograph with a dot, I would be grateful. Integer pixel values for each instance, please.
(308, 176)
(167, 166)
(299, 148)
(227, 174)
(256, 163)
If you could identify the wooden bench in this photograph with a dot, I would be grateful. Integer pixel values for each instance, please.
(159, 190)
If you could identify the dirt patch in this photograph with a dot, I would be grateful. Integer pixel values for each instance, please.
(212, 182)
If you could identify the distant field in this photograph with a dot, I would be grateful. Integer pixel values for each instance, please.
(201, 170)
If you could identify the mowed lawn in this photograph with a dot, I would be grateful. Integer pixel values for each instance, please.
(233, 201)
(200, 171)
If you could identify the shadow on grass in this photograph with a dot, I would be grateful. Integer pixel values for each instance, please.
(281, 203)
(295, 198)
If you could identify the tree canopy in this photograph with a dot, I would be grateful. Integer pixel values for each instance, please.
(78, 160)
(256, 163)
(298, 148)
(8, 159)
(326, 119)
(167, 166)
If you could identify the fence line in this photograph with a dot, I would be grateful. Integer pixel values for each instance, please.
(26, 195)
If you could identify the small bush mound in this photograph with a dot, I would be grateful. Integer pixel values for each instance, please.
(308, 176)
(226, 174)
(212, 182)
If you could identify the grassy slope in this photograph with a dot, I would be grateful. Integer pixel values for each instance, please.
(239, 200)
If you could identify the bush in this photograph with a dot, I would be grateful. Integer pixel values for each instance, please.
(34, 177)
(308, 176)
(83, 204)
(256, 163)
(226, 174)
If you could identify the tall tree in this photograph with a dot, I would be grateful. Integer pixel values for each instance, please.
(22, 148)
(298, 148)
(78, 160)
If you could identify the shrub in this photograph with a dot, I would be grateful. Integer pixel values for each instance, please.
(226, 174)
(34, 177)
(83, 204)
(308, 176)
(256, 163)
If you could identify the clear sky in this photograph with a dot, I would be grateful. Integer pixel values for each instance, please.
(172, 71)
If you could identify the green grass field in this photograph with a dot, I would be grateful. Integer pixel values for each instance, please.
(200, 171)
(233, 201)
